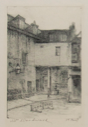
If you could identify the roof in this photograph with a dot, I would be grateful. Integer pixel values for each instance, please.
(13, 24)
(43, 36)
(22, 31)
(15, 21)
(28, 29)
(17, 17)
(10, 17)
(45, 33)
(54, 31)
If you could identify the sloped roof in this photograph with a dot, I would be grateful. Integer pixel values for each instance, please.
(29, 28)
(17, 17)
(13, 25)
(14, 21)
(23, 32)
(45, 33)
(9, 17)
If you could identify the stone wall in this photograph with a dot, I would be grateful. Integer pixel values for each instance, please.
(58, 77)
(45, 54)
(18, 44)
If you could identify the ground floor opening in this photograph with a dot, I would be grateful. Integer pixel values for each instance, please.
(56, 80)
(51, 78)
(76, 85)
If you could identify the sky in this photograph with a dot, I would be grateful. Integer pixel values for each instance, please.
(48, 18)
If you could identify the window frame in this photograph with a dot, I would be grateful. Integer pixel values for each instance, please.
(24, 61)
(57, 53)
(75, 52)
(51, 37)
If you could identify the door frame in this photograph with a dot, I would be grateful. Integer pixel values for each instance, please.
(29, 86)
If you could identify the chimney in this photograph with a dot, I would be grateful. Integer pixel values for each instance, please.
(34, 28)
(72, 31)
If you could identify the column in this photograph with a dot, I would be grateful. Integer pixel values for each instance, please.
(39, 80)
(48, 77)
(69, 54)
(70, 85)
(48, 82)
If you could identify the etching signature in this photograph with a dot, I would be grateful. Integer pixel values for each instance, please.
(23, 120)
(73, 119)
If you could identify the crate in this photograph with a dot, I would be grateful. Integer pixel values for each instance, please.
(39, 106)
(36, 107)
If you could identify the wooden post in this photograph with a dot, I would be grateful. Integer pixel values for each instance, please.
(69, 85)
(49, 81)
(48, 77)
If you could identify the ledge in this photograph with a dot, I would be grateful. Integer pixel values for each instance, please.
(22, 32)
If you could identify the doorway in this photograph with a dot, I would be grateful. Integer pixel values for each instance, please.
(37, 85)
(76, 86)
(29, 87)
(41, 79)
(45, 83)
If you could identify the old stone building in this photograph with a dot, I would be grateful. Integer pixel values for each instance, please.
(47, 58)
(21, 50)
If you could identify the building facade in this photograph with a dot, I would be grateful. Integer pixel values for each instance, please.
(47, 58)
(20, 51)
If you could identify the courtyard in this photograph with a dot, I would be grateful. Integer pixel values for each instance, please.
(21, 108)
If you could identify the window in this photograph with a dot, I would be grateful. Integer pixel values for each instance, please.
(23, 58)
(74, 48)
(75, 52)
(64, 76)
(57, 51)
(51, 37)
(55, 37)
(64, 37)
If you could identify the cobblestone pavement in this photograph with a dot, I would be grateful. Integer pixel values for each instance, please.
(61, 107)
